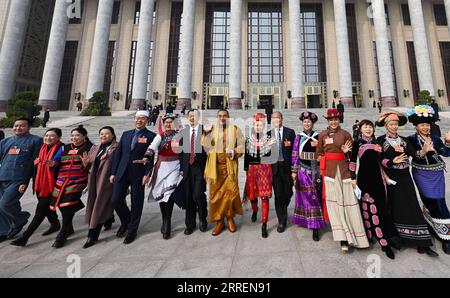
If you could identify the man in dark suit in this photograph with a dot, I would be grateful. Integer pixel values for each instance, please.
(281, 168)
(127, 170)
(341, 109)
(193, 161)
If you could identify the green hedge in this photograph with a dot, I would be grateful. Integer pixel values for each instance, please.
(97, 100)
(18, 107)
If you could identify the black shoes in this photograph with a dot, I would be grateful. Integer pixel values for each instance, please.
(254, 215)
(16, 231)
(129, 238)
(281, 228)
(60, 240)
(315, 236)
(388, 251)
(428, 251)
(344, 246)
(121, 231)
(264, 232)
(53, 228)
(21, 241)
(189, 231)
(108, 223)
(446, 246)
(90, 242)
(203, 226)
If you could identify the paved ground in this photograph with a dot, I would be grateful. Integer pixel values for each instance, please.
(242, 254)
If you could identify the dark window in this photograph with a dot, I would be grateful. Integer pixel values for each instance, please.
(217, 43)
(116, 13)
(109, 69)
(34, 49)
(131, 72)
(313, 54)
(137, 13)
(413, 68)
(353, 43)
(391, 53)
(445, 54)
(265, 43)
(174, 42)
(67, 72)
(439, 14)
(78, 20)
(406, 16)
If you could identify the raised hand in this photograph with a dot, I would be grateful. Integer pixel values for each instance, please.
(447, 136)
(347, 146)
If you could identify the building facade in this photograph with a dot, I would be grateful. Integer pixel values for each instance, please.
(237, 53)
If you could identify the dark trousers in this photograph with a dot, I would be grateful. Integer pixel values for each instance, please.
(67, 219)
(11, 214)
(130, 218)
(195, 196)
(42, 211)
(282, 186)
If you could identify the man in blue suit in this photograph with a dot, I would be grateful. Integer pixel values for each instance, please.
(126, 171)
(17, 154)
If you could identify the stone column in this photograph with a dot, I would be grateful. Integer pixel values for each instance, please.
(55, 55)
(421, 46)
(140, 80)
(11, 49)
(186, 52)
(447, 11)
(100, 47)
(343, 52)
(386, 77)
(296, 75)
(235, 88)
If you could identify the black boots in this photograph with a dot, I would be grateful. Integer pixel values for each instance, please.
(60, 240)
(90, 242)
(428, 251)
(254, 216)
(388, 251)
(53, 228)
(315, 236)
(446, 246)
(166, 212)
(108, 223)
(21, 241)
(264, 232)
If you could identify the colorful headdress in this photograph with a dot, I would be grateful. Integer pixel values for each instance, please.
(258, 117)
(421, 114)
(308, 115)
(387, 117)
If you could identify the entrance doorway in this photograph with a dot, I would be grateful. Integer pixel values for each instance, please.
(265, 101)
(216, 102)
(313, 102)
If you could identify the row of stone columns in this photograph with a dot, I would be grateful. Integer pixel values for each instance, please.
(17, 21)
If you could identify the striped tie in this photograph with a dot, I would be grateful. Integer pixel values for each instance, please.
(192, 152)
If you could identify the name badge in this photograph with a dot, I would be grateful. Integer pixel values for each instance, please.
(14, 151)
(399, 149)
(329, 141)
(287, 143)
(142, 140)
(73, 152)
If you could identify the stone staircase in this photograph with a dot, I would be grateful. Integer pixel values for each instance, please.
(123, 120)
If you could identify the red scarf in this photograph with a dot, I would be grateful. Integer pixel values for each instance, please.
(45, 178)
